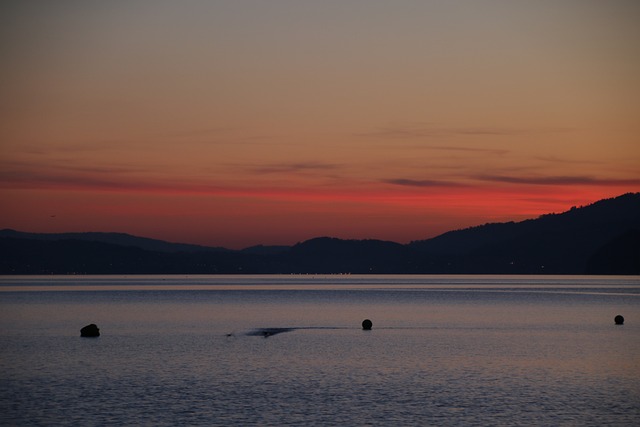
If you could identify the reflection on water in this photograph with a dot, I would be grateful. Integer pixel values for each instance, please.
(442, 351)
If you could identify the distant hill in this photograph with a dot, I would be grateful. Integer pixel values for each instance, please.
(553, 243)
(71, 256)
(331, 255)
(120, 239)
(620, 256)
(261, 249)
(601, 238)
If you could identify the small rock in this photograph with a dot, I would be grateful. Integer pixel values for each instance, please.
(619, 320)
(90, 331)
(367, 324)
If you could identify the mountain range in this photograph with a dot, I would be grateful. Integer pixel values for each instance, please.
(601, 238)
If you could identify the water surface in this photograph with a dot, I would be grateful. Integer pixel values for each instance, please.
(444, 350)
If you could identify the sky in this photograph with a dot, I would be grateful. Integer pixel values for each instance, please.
(236, 123)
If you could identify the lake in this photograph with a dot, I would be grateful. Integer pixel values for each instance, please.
(290, 350)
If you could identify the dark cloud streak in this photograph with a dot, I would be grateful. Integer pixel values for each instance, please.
(557, 180)
(295, 167)
(427, 130)
(422, 183)
(550, 159)
(495, 151)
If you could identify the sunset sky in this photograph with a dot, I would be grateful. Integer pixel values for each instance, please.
(235, 123)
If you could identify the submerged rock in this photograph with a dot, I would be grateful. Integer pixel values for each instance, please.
(367, 324)
(619, 320)
(90, 331)
(267, 332)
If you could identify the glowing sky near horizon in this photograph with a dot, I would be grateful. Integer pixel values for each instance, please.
(234, 123)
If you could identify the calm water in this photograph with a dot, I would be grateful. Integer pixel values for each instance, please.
(444, 350)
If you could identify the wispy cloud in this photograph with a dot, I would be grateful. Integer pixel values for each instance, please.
(558, 180)
(25, 175)
(17, 175)
(293, 191)
(422, 183)
(296, 167)
(197, 132)
(429, 130)
(494, 151)
(552, 159)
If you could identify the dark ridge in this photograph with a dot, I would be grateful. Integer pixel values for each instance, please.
(601, 238)
(121, 239)
(266, 250)
(331, 255)
(621, 255)
(551, 244)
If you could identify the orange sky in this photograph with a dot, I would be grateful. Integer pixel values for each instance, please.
(234, 123)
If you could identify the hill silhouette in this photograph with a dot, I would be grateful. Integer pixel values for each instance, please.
(121, 239)
(601, 238)
(331, 255)
(553, 243)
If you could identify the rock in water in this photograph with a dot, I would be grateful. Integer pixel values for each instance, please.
(619, 320)
(367, 324)
(90, 331)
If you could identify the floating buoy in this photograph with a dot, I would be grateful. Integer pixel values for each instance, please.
(619, 320)
(366, 324)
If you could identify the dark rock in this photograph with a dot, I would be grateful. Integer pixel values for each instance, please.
(268, 332)
(90, 331)
(367, 324)
(619, 320)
